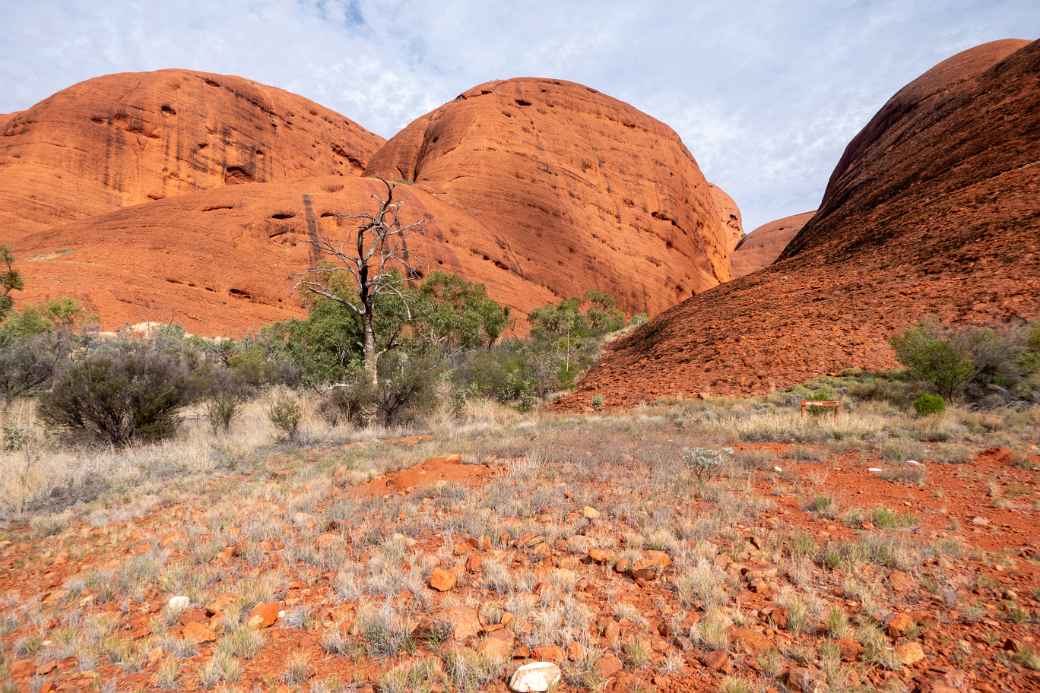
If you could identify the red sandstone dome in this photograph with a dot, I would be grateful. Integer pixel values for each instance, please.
(130, 138)
(933, 209)
(762, 246)
(584, 190)
(540, 189)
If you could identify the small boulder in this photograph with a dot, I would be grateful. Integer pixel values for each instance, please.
(536, 676)
(263, 615)
(550, 653)
(442, 580)
(198, 633)
(899, 625)
(178, 603)
(590, 513)
(607, 666)
(909, 653)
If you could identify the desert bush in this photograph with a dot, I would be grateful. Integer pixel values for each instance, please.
(705, 463)
(285, 413)
(986, 365)
(928, 355)
(28, 364)
(928, 403)
(406, 392)
(123, 391)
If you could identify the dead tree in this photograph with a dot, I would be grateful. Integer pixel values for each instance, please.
(380, 250)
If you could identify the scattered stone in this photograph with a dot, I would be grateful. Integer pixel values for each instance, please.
(717, 660)
(178, 603)
(474, 563)
(263, 615)
(550, 653)
(900, 581)
(800, 679)
(850, 649)
(607, 666)
(979, 521)
(536, 676)
(753, 643)
(590, 513)
(899, 625)
(497, 645)
(464, 621)
(198, 633)
(442, 580)
(601, 555)
(909, 653)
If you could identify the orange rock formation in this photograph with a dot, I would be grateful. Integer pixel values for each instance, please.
(932, 210)
(130, 138)
(762, 246)
(539, 189)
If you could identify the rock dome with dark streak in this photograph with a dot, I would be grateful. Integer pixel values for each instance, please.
(129, 138)
(933, 210)
(584, 191)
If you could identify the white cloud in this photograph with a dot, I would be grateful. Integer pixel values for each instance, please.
(765, 94)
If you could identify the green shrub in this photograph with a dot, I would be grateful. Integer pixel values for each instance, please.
(407, 392)
(285, 413)
(929, 357)
(928, 403)
(121, 392)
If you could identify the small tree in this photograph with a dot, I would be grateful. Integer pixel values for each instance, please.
(375, 263)
(10, 280)
(929, 357)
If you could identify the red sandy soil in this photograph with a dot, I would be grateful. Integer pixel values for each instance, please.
(539, 189)
(932, 210)
(430, 472)
(945, 507)
(129, 138)
(762, 246)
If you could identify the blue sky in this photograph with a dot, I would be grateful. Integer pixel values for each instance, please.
(765, 94)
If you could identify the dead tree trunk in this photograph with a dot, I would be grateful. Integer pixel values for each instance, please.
(380, 250)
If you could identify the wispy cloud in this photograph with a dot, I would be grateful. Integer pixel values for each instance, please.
(765, 94)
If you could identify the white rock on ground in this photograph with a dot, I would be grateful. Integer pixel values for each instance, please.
(536, 676)
(178, 603)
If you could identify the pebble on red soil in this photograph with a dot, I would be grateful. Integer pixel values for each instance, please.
(442, 580)
(264, 615)
(536, 676)
(909, 653)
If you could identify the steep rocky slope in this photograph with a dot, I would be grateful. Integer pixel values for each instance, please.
(762, 246)
(933, 209)
(585, 190)
(128, 138)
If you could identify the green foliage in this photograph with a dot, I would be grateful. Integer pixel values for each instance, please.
(10, 280)
(566, 336)
(983, 364)
(928, 355)
(407, 391)
(123, 391)
(928, 403)
(456, 314)
(285, 413)
(60, 314)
